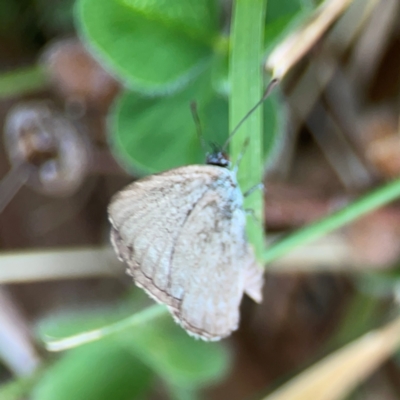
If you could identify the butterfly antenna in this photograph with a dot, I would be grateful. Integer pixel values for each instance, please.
(267, 92)
(196, 119)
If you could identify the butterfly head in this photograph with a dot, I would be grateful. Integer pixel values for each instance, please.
(218, 158)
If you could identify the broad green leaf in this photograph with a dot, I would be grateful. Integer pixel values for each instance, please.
(98, 371)
(178, 358)
(70, 323)
(161, 345)
(183, 393)
(155, 134)
(196, 18)
(152, 46)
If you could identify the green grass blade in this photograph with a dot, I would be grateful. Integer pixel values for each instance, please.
(246, 90)
(357, 209)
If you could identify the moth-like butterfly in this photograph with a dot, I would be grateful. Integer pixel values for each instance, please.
(182, 235)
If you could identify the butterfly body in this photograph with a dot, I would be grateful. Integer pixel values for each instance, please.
(182, 234)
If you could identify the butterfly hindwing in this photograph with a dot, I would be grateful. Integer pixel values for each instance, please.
(212, 272)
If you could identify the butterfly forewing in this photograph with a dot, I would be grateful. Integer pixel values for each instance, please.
(149, 213)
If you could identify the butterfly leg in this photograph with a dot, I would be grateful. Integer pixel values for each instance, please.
(259, 186)
(240, 156)
(250, 211)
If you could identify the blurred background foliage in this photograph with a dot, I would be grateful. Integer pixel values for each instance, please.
(117, 78)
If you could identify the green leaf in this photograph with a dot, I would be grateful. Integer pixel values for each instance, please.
(196, 18)
(183, 393)
(152, 46)
(155, 134)
(69, 323)
(98, 371)
(160, 344)
(72, 322)
(178, 358)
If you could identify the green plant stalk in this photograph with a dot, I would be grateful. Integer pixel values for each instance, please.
(350, 213)
(22, 81)
(246, 90)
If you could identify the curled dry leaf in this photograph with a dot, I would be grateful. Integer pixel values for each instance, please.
(296, 45)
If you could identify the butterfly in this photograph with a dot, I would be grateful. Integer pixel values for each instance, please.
(182, 235)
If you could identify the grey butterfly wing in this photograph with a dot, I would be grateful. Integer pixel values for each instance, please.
(217, 266)
(152, 231)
